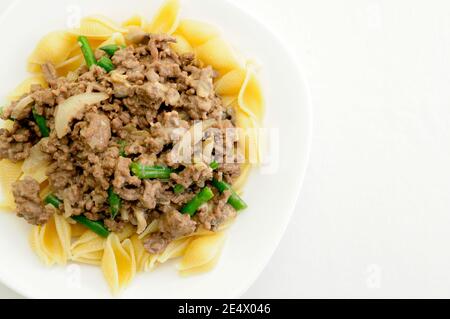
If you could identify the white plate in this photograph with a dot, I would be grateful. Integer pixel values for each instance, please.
(271, 197)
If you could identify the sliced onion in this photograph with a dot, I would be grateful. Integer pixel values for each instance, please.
(36, 160)
(71, 107)
(19, 108)
(141, 221)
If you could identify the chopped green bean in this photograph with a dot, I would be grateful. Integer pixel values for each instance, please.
(214, 165)
(41, 123)
(201, 198)
(88, 54)
(150, 172)
(96, 226)
(115, 202)
(234, 199)
(53, 200)
(106, 64)
(110, 49)
(178, 189)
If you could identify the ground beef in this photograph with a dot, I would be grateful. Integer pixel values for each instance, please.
(155, 98)
(98, 132)
(29, 205)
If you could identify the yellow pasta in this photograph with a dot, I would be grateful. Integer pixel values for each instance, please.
(11, 172)
(182, 46)
(251, 99)
(35, 240)
(202, 251)
(94, 259)
(166, 19)
(86, 245)
(116, 38)
(51, 242)
(54, 47)
(248, 137)
(239, 184)
(150, 262)
(231, 83)
(134, 21)
(175, 249)
(25, 86)
(77, 229)
(118, 263)
(218, 54)
(98, 27)
(196, 33)
(139, 252)
(70, 65)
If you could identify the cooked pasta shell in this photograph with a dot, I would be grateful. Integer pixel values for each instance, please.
(196, 32)
(36, 245)
(116, 38)
(218, 54)
(182, 46)
(11, 172)
(201, 269)
(150, 262)
(88, 243)
(251, 99)
(166, 19)
(55, 239)
(70, 65)
(97, 27)
(231, 83)
(87, 261)
(135, 21)
(139, 252)
(77, 230)
(202, 251)
(229, 100)
(248, 137)
(55, 47)
(118, 263)
(25, 87)
(239, 184)
(175, 249)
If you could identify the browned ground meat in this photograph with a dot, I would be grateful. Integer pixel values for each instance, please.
(29, 205)
(155, 97)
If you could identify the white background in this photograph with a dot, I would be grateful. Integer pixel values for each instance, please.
(373, 218)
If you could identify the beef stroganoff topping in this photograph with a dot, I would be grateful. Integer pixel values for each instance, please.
(109, 133)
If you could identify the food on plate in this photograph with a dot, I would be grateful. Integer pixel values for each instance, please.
(126, 148)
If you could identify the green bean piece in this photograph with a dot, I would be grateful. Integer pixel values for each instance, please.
(110, 49)
(234, 200)
(96, 226)
(41, 123)
(178, 189)
(115, 202)
(214, 165)
(201, 198)
(150, 172)
(53, 200)
(122, 145)
(88, 54)
(106, 64)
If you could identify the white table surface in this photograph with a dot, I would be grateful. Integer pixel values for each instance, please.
(373, 219)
